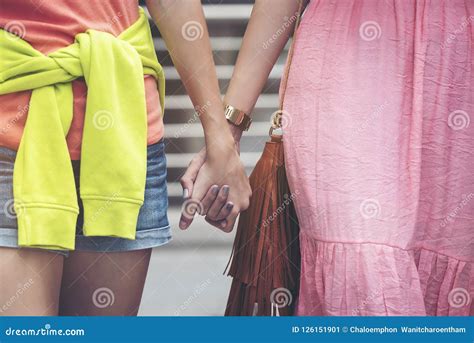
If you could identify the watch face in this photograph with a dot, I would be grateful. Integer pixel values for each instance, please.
(234, 116)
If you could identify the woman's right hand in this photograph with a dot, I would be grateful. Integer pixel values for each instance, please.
(216, 186)
(187, 180)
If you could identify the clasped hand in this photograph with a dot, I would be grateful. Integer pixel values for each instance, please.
(215, 185)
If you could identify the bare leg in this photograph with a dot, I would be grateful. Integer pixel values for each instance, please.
(103, 284)
(30, 281)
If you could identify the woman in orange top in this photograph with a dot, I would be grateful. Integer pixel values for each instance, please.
(106, 275)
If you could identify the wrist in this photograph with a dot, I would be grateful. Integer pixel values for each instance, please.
(219, 142)
(221, 153)
(221, 136)
(236, 132)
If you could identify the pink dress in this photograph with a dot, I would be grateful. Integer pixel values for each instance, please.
(379, 148)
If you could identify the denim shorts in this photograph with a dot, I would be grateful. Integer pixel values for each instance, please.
(153, 228)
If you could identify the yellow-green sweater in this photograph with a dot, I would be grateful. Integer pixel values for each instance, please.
(113, 156)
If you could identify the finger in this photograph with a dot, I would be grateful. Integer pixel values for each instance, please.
(225, 211)
(201, 187)
(209, 199)
(220, 224)
(185, 221)
(187, 185)
(188, 178)
(230, 221)
(225, 225)
(218, 203)
(189, 209)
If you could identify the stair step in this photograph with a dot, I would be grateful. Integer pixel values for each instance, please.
(194, 130)
(223, 72)
(187, 115)
(183, 102)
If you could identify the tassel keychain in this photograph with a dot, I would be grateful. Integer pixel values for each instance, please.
(266, 257)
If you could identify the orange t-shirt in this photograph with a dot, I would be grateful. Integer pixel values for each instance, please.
(51, 25)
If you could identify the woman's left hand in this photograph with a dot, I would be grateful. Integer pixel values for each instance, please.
(219, 203)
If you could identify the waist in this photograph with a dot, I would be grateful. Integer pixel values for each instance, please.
(14, 111)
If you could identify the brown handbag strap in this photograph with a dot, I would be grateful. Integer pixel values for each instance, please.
(290, 55)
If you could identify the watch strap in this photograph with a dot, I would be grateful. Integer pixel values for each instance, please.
(237, 117)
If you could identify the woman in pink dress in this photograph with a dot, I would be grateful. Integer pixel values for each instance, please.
(379, 149)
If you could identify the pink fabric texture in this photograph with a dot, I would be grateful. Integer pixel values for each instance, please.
(379, 149)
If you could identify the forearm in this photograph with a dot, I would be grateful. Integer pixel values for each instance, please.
(270, 26)
(183, 28)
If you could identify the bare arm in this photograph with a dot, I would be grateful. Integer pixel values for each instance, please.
(184, 30)
(270, 26)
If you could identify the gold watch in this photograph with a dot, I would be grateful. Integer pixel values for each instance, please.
(237, 117)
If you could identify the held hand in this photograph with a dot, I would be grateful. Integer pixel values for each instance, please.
(187, 180)
(221, 189)
(214, 205)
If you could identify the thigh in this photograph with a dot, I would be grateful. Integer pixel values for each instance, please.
(30, 282)
(30, 279)
(96, 283)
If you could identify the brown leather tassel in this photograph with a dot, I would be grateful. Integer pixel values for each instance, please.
(265, 261)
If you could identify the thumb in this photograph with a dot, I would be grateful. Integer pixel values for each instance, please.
(191, 206)
(189, 209)
(200, 187)
(187, 180)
